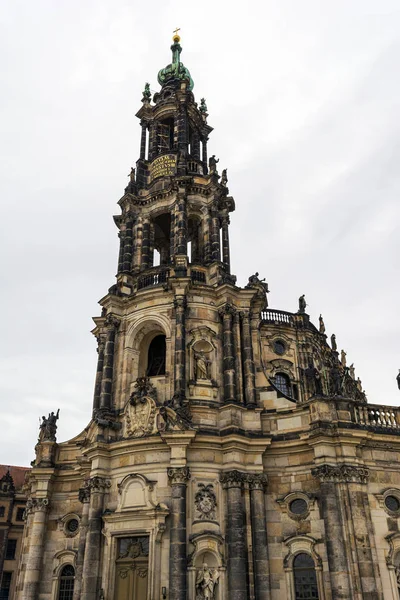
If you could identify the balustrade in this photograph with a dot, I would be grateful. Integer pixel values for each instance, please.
(277, 317)
(372, 415)
(155, 278)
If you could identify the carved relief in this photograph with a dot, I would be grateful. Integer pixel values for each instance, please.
(35, 505)
(341, 473)
(178, 475)
(140, 417)
(205, 502)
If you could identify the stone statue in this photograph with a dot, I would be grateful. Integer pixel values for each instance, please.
(224, 177)
(343, 357)
(212, 163)
(313, 377)
(352, 371)
(333, 342)
(206, 580)
(146, 92)
(254, 281)
(336, 381)
(359, 384)
(202, 366)
(398, 379)
(48, 427)
(132, 175)
(321, 324)
(302, 304)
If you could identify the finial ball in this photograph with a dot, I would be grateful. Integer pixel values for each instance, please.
(176, 39)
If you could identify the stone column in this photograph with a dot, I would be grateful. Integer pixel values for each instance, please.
(121, 235)
(205, 161)
(257, 485)
(232, 482)
(180, 350)
(172, 236)
(152, 241)
(178, 478)
(207, 236)
(137, 253)
(143, 140)
(215, 243)
(195, 149)
(225, 243)
(331, 509)
(227, 313)
(91, 562)
(152, 140)
(181, 229)
(248, 361)
(101, 342)
(128, 246)
(238, 354)
(145, 254)
(108, 367)
(36, 509)
(84, 497)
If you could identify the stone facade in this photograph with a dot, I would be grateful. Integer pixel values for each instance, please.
(12, 510)
(231, 453)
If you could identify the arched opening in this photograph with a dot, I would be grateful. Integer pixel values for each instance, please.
(162, 238)
(165, 135)
(156, 356)
(282, 382)
(195, 249)
(67, 581)
(305, 578)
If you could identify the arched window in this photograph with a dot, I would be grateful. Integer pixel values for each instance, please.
(282, 382)
(67, 579)
(305, 578)
(156, 357)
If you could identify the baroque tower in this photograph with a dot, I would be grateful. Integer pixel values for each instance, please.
(231, 453)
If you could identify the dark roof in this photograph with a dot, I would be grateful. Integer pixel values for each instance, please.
(17, 473)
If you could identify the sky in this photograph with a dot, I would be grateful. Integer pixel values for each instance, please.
(304, 101)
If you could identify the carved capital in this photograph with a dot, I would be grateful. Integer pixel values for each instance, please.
(35, 505)
(84, 495)
(178, 475)
(101, 342)
(257, 481)
(227, 311)
(97, 484)
(234, 478)
(341, 473)
(112, 321)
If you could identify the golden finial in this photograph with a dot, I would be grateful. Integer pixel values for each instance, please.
(176, 37)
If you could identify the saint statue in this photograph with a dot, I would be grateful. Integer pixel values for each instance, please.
(48, 427)
(321, 324)
(224, 177)
(343, 357)
(206, 580)
(132, 175)
(302, 304)
(352, 371)
(333, 342)
(212, 163)
(202, 366)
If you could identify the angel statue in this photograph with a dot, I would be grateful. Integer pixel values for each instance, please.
(206, 580)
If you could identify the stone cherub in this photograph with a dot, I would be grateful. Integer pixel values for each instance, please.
(206, 580)
(48, 427)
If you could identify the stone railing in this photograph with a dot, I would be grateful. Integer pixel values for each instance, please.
(198, 276)
(376, 416)
(158, 277)
(278, 317)
(195, 167)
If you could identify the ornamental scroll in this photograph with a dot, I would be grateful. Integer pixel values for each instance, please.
(163, 166)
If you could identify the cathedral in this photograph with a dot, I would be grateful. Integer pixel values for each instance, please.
(231, 453)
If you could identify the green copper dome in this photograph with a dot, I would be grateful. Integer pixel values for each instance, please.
(176, 70)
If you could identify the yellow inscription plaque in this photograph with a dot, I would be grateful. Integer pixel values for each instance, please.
(163, 166)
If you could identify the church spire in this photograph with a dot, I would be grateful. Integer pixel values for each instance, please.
(176, 70)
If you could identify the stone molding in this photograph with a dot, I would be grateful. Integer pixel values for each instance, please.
(232, 479)
(341, 473)
(97, 484)
(227, 310)
(178, 475)
(36, 505)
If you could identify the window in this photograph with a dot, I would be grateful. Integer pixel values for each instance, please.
(156, 357)
(279, 347)
(2, 511)
(67, 579)
(165, 135)
(5, 585)
(298, 506)
(72, 525)
(282, 382)
(11, 549)
(20, 513)
(392, 503)
(305, 579)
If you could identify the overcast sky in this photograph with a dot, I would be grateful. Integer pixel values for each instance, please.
(304, 99)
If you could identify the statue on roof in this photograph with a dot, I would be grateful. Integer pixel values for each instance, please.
(321, 324)
(203, 106)
(333, 342)
(343, 357)
(146, 92)
(398, 379)
(212, 163)
(224, 177)
(352, 371)
(302, 304)
(48, 427)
